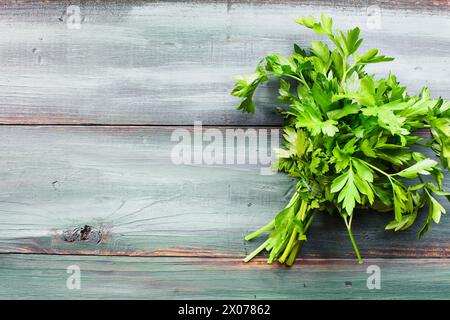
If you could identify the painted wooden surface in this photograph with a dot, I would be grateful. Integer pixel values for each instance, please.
(38, 276)
(172, 63)
(85, 123)
(123, 181)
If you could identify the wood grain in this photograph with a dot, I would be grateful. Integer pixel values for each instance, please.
(44, 277)
(171, 63)
(122, 181)
(170, 231)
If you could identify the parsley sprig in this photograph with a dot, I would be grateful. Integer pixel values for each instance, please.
(348, 140)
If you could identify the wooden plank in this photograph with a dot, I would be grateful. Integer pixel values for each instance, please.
(121, 181)
(44, 277)
(172, 63)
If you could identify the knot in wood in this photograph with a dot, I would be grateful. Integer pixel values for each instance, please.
(86, 233)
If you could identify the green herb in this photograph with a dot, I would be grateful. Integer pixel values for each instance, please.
(348, 140)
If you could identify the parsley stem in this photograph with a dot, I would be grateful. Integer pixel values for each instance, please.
(375, 168)
(294, 77)
(309, 221)
(301, 80)
(293, 199)
(344, 68)
(389, 176)
(267, 227)
(293, 239)
(256, 251)
(304, 81)
(290, 261)
(293, 254)
(349, 229)
(271, 224)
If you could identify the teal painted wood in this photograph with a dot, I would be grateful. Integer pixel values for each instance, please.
(122, 181)
(44, 277)
(145, 63)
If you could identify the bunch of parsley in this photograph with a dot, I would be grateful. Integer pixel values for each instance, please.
(348, 140)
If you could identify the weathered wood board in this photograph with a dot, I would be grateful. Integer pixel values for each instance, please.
(38, 276)
(86, 117)
(123, 180)
(171, 63)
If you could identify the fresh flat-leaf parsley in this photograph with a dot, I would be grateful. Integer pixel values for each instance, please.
(348, 140)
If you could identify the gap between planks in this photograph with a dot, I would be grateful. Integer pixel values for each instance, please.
(200, 254)
(238, 262)
(124, 125)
